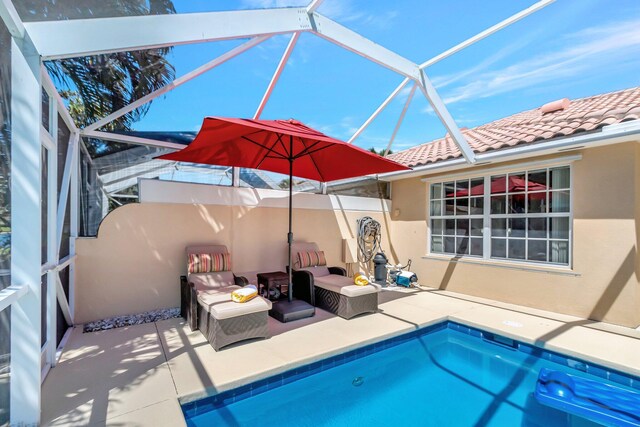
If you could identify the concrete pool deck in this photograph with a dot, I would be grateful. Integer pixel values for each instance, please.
(134, 376)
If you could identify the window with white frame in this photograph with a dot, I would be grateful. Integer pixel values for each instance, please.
(457, 215)
(521, 216)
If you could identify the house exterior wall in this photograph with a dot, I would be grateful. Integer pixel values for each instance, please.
(602, 283)
(135, 262)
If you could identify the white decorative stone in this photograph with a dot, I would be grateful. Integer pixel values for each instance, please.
(132, 319)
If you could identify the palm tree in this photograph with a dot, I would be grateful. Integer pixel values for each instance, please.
(379, 153)
(95, 86)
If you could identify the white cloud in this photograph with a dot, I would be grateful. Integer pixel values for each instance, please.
(444, 81)
(267, 4)
(345, 11)
(340, 10)
(405, 91)
(582, 54)
(428, 110)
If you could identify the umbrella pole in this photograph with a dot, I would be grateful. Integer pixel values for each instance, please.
(290, 234)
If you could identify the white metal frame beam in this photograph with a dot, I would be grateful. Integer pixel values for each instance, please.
(63, 300)
(445, 117)
(57, 211)
(12, 294)
(314, 5)
(486, 33)
(46, 138)
(401, 118)
(178, 82)
(354, 42)
(60, 107)
(276, 74)
(26, 237)
(65, 187)
(11, 19)
(52, 241)
(59, 39)
(74, 211)
(381, 107)
(108, 136)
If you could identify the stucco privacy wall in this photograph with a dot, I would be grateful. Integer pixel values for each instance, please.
(604, 280)
(135, 262)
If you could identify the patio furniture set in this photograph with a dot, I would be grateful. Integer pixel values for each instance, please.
(206, 293)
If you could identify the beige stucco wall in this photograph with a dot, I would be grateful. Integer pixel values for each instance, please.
(135, 262)
(606, 196)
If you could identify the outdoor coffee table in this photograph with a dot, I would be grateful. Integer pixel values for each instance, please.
(274, 279)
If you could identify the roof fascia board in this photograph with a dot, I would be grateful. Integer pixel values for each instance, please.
(500, 169)
(610, 135)
(81, 37)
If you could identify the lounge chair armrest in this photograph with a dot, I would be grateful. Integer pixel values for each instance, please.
(240, 280)
(303, 287)
(185, 296)
(338, 270)
(189, 303)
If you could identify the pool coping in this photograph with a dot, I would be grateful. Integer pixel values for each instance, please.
(192, 407)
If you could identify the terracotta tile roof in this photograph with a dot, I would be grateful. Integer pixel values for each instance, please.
(529, 127)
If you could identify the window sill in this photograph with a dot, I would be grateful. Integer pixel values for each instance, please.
(557, 270)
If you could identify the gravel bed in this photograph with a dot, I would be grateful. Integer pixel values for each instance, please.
(132, 319)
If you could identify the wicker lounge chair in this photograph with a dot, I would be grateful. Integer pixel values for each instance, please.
(206, 305)
(332, 289)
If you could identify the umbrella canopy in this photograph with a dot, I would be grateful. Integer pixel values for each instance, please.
(271, 144)
(283, 146)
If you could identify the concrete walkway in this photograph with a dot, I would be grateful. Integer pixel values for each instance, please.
(134, 376)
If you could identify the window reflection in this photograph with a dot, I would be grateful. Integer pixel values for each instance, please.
(529, 215)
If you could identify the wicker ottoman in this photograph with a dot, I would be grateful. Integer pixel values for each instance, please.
(225, 322)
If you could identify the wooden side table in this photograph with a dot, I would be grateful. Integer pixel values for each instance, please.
(273, 279)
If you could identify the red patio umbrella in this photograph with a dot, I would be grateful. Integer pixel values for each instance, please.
(283, 146)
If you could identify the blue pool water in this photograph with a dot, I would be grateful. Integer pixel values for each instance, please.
(449, 375)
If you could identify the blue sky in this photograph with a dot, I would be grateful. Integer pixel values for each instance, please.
(572, 48)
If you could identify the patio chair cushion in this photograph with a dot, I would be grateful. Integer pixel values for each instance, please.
(343, 285)
(218, 303)
(311, 259)
(207, 281)
(317, 271)
(301, 247)
(206, 263)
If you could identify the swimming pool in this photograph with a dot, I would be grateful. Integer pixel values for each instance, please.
(443, 375)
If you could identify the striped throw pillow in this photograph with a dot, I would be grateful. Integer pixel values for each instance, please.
(311, 259)
(209, 263)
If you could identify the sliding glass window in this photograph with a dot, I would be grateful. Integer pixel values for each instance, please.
(527, 213)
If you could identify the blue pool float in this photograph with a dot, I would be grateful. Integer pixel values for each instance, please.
(590, 399)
